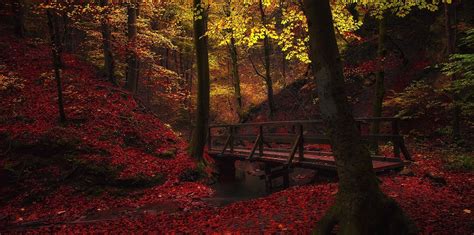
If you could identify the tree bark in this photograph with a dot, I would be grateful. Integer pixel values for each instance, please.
(379, 81)
(165, 58)
(236, 75)
(450, 30)
(266, 51)
(202, 61)
(131, 83)
(360, 206)
(18, 9)
(54, 32)
(109, 62)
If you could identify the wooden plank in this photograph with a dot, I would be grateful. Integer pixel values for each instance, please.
(310, 161)
(297, 122)
(316, 121)
(254, 148)
(293, 149)
(310, 139)
(226, 143)
(381, 119)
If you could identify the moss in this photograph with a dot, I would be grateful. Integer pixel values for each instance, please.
(132, 139)
(43, 159)
(191, 175)
(460, 163)
(167, 154)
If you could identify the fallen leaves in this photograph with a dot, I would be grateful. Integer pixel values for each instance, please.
(104, 117)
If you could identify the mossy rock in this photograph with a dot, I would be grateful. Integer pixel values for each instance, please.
(167, 154)
(191, 175)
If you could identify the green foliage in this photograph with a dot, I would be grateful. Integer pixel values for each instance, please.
(378, 9)
(295, 47)
(419, 100)
(289, 31)
(167, 154)
(460, 163)
(293, 38)
(461, 66)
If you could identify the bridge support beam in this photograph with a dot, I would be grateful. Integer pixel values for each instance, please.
(272, 173)
(268, 178)
(226, 169)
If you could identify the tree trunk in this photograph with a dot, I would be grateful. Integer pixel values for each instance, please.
(202, 59)
(165, 58)
(131, 83)
(53, 26)
(236, 76)
(360, 206)
(450, 24)
(180, 63)
(281, 5)
(267, 50)
(18, 9)
(379, 81)
(109, 62)
(283, 67)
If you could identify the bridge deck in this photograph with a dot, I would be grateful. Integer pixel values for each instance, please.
(311, 159)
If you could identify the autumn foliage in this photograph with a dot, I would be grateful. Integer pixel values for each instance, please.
(107, 126)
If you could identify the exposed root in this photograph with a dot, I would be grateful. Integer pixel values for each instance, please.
(366, 217)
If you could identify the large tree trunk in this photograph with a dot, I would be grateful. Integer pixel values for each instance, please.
(109, 62)
(18, 9)
(379, 81)
(54, 32)
(360, 206)
(131, 83)
(266, 51)
(450, 24)
(202, 61)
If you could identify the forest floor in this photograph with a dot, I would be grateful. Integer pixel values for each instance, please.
(114, 167)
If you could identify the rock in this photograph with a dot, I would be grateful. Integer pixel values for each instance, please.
(406, 171)
(435, 178)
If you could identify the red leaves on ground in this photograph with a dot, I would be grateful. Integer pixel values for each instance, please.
(101, 117)
(106, 119)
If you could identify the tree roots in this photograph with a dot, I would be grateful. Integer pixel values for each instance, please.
(365, 216)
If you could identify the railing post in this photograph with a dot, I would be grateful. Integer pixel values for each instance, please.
(232, 139)
(396, 133)
(260, 143)
(301, 143)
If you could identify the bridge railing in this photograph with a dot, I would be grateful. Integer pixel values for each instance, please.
(297, 134)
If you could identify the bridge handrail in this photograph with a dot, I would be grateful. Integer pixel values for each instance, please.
(394, 136)
(298, 122)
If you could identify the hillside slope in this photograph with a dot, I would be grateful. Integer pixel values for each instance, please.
(110, 154)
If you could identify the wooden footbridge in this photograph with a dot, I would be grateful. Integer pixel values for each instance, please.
(283, 145)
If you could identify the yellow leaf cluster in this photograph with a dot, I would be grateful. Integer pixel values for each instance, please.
(10, 82)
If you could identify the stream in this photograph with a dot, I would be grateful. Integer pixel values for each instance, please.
(247, 184)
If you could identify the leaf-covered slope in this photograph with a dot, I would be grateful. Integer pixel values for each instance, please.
(109, 147)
